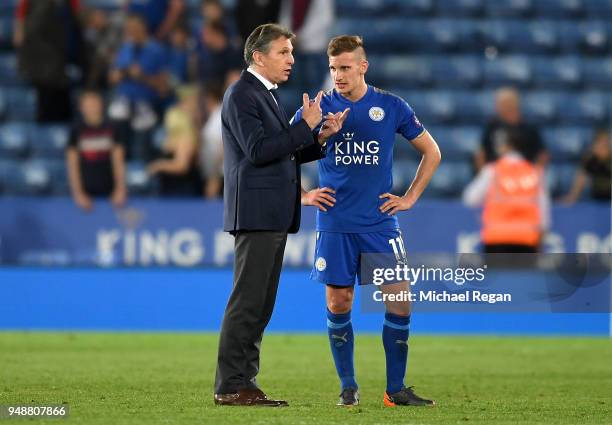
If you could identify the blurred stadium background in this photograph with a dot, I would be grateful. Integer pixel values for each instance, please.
(162, 262)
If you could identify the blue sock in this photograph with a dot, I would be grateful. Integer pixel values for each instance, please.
(341, 341)
(395, 341)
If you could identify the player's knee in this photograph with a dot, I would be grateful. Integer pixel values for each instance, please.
(398, 308)
(340, 302)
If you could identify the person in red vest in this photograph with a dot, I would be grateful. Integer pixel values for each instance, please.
(515, 200)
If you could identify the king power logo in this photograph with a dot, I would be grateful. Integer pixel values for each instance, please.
(131, 244)
(350, 152)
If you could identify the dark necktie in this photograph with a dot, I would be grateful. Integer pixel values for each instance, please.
(278, 105)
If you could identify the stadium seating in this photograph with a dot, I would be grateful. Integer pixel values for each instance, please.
(8, 70)
(567, 143)
(461, 8)
(449, 180)
(540, 107)
(562, 72)
(558, 8)
(400, 71)
(560, 178)
(28, 178)
(49, 142)
(598, 73)
(598, 8)
(512, 8)
(2, 105)
(509, 70)
(6, 32)
(21, 104)
(457, 71)
(14, 142)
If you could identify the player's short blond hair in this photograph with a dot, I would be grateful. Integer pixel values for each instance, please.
(345, 44)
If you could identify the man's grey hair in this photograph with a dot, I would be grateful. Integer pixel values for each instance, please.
(261, 37)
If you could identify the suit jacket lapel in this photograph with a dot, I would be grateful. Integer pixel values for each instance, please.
(278, 111)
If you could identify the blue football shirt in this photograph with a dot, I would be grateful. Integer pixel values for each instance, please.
(359, 160)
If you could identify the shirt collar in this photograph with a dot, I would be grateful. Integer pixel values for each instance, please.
(264, 81)
(513, 155)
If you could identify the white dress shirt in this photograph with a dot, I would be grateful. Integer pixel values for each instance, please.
(264, 81)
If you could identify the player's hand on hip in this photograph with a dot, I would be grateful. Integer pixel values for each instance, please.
(333, 123)
(395, 203)
(319, 198)
(311, 110)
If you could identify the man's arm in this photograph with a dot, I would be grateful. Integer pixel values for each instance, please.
(245, 121)
(74, 179)
(430, 160)
(175, 10)
(181, 160)
(311, 153)
(118, 163)
(580, 181)
(475, 192)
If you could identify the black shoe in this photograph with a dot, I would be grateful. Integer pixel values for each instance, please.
(406, 397)
(348, 397)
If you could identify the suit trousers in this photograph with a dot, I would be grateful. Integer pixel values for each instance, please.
(258, 260)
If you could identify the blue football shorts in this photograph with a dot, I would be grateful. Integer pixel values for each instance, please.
(337, 259)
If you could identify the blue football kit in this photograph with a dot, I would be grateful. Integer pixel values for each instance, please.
(358, 166)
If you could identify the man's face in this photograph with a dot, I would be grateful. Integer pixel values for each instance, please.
(277, 63)
(508, 107)
(212, 11)
(213, 39)
(135, 30)
(91, 107)
(347, 71)
(601, 147)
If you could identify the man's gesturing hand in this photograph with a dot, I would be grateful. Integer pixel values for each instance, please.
(332, 124)
(394, 203)
(319, 198)
(311, 111)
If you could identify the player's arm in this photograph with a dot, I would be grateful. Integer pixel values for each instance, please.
(430, 159)
(319, 197)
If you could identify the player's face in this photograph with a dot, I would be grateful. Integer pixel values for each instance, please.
(276, 64)
(347, 71)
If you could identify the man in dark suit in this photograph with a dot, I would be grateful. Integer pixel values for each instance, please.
(262, 156)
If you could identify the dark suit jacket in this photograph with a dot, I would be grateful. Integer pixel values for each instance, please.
(262, 157)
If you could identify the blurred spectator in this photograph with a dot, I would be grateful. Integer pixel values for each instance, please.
(516, 201)
(219, 62)
(176, 170)
(103, 32)
(595, 168)
(160, 16)
(311, 21)
(95, 158)
(250, 14)
(179, 56)
(139, 76)
(47, 39)
(213, 10)
(509, 118)
(211, 149)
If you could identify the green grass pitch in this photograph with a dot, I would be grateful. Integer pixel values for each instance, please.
(166, 378)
